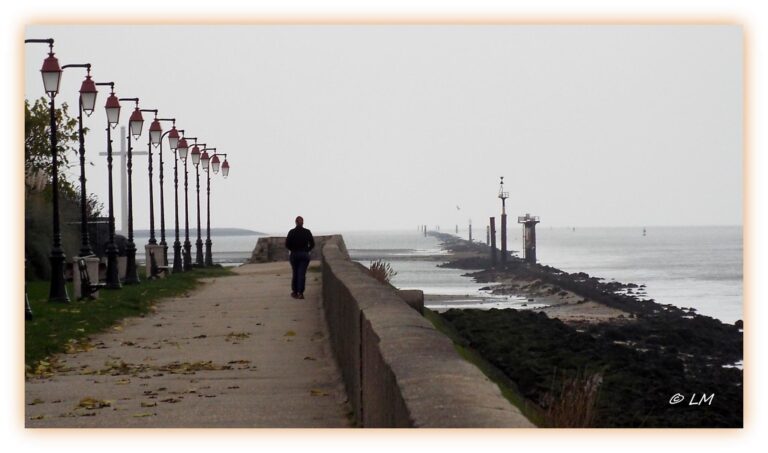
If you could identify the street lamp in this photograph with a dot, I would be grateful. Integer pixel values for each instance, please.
(214, 165)
(181, 153)
(199, 243)
(225, 168)
(51, 73)
(187, 245)
(155, 130)
(135, 124)
(87, 103)
(113, 115)
(173, 140)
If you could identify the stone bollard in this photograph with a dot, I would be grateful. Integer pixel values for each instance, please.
(122, 263)
(158, 251)
(92, 264)
(413, 297)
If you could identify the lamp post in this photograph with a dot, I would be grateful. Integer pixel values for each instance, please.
(86, 103)
(181, 153)
(214, 165)
(51, 73)
(135, 124)
(173, 141)
(199, 243)
(155, 131)
(187, 244)
(113, 115)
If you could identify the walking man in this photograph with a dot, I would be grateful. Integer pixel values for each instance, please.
(300, 242)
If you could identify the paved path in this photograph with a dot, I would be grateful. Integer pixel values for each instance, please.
(238, 352)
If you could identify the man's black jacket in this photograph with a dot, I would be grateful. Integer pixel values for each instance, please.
(300, 240)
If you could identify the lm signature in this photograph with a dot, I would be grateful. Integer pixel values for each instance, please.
(678, 398)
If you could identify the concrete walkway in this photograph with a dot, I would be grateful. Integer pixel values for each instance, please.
(238, 352)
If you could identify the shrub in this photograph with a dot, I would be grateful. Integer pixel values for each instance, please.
(573, 404)
(381, 271)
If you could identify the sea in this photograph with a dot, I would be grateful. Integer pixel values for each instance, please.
(697, 267)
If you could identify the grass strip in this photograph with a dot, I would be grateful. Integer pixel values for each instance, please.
(55, 327)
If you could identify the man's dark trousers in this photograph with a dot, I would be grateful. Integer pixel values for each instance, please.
(299, 264)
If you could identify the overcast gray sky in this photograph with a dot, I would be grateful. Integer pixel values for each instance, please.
(391, 126)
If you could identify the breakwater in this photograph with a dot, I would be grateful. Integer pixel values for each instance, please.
(642, 359)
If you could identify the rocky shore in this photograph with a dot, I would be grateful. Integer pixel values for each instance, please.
(641, 351)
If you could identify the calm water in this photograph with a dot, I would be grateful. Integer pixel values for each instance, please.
(699, 267)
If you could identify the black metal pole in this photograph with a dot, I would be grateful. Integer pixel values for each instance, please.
(187, 244)
(58, 290)
(152, 239)
(113, 274)
(208, 243)
(85, 243)
(162, 207)
(131, 273)
(199, 241)
(177, 266)
(162, 195)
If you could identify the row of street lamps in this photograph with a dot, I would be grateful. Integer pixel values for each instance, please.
(182, 260)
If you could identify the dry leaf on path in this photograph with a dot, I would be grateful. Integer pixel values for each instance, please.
(316, 392)
(92, 403)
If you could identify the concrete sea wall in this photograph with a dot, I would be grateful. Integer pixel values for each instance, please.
(272, 248)
(398, 370)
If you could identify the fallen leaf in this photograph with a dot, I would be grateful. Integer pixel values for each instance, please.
(38, 417)
(145, 404)
(309, 358)
(93, 403)
(144, 414)
(232, 336)
(36, 401)
(316, 392)
(290, 333)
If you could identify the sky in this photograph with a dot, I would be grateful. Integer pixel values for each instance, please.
(373, 127)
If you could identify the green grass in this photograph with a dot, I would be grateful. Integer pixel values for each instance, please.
(508, 388)
(55, 327)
